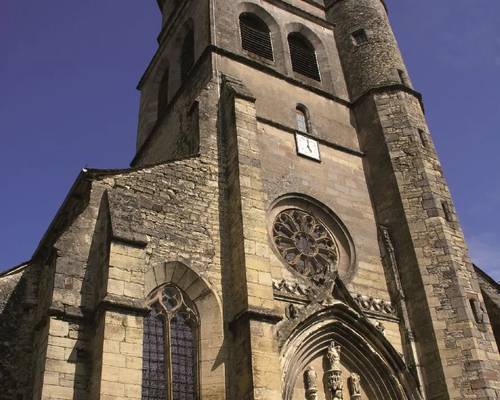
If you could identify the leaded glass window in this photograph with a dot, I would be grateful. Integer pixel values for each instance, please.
(154, 378)
(170, 352)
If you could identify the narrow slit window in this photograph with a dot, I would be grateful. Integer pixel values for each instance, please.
(187, 55)
(256, 36)
(163, 94)
(403, 77)
(401, 74)
(303, 56)
(446, 211)
(423, 138)
(360, 37)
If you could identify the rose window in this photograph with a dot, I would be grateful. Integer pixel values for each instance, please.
(304, 243)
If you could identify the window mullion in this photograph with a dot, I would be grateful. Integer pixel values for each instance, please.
(168, 358)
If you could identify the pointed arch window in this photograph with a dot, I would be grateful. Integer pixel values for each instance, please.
(303, 56)
(170, 347)
(187, 55)
(256, 36)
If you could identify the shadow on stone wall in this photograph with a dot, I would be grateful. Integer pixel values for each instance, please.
(16, 332)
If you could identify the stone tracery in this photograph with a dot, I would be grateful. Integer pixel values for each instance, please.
(304, 243)
(179, 356)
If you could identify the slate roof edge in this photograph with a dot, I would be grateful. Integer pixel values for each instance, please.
(15, 269)
(486, 277)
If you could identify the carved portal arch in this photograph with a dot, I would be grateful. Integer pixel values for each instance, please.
(208, 308)
(310, 239)
(349, 357)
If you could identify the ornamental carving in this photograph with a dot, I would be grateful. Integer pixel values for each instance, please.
(376, 306)
(305, 244)
(311, 384)
(355, 386)
(334, 372)
(170, 302)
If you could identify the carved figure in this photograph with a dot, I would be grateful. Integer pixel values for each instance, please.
(311, 383)
(355, 386)
(335, 385)
(334, 372)
(333, 356)
(380, 326)
(292, 311)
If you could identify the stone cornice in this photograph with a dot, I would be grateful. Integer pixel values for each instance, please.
(254, 314)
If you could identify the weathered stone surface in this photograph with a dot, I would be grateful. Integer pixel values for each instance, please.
(395, 311)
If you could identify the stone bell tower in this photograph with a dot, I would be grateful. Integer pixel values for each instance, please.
(411, 198)
(284, 232)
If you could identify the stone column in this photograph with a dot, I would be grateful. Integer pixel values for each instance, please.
(458, 354)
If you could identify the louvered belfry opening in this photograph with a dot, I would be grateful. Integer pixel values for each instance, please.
(303, 56)
(256, 36)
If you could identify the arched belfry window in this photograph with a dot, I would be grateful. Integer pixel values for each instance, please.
(303, 56)
(302, 117)
(170, 347)
(256, 36)
(187, 55)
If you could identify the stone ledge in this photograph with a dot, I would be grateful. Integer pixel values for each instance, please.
(390, 87)
(237, 88)
(123, 305)
(255, 314)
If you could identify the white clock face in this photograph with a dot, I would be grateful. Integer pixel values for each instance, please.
(307, 146)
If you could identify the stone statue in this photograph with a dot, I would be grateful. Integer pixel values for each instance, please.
(334, 372)
(311, 383)
(333, 356)
(292, 312)
(355, 386)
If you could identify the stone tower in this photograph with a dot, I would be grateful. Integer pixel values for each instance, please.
(284, 232)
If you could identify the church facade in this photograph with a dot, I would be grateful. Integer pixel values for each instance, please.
(284, 231)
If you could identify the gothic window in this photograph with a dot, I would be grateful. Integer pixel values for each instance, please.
(303, 56)
(305, 244)
(301, 115)
(170, 347)
(256, 36)
(163, 94)
(187, 55)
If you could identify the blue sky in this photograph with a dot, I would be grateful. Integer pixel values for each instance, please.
(69, 70)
